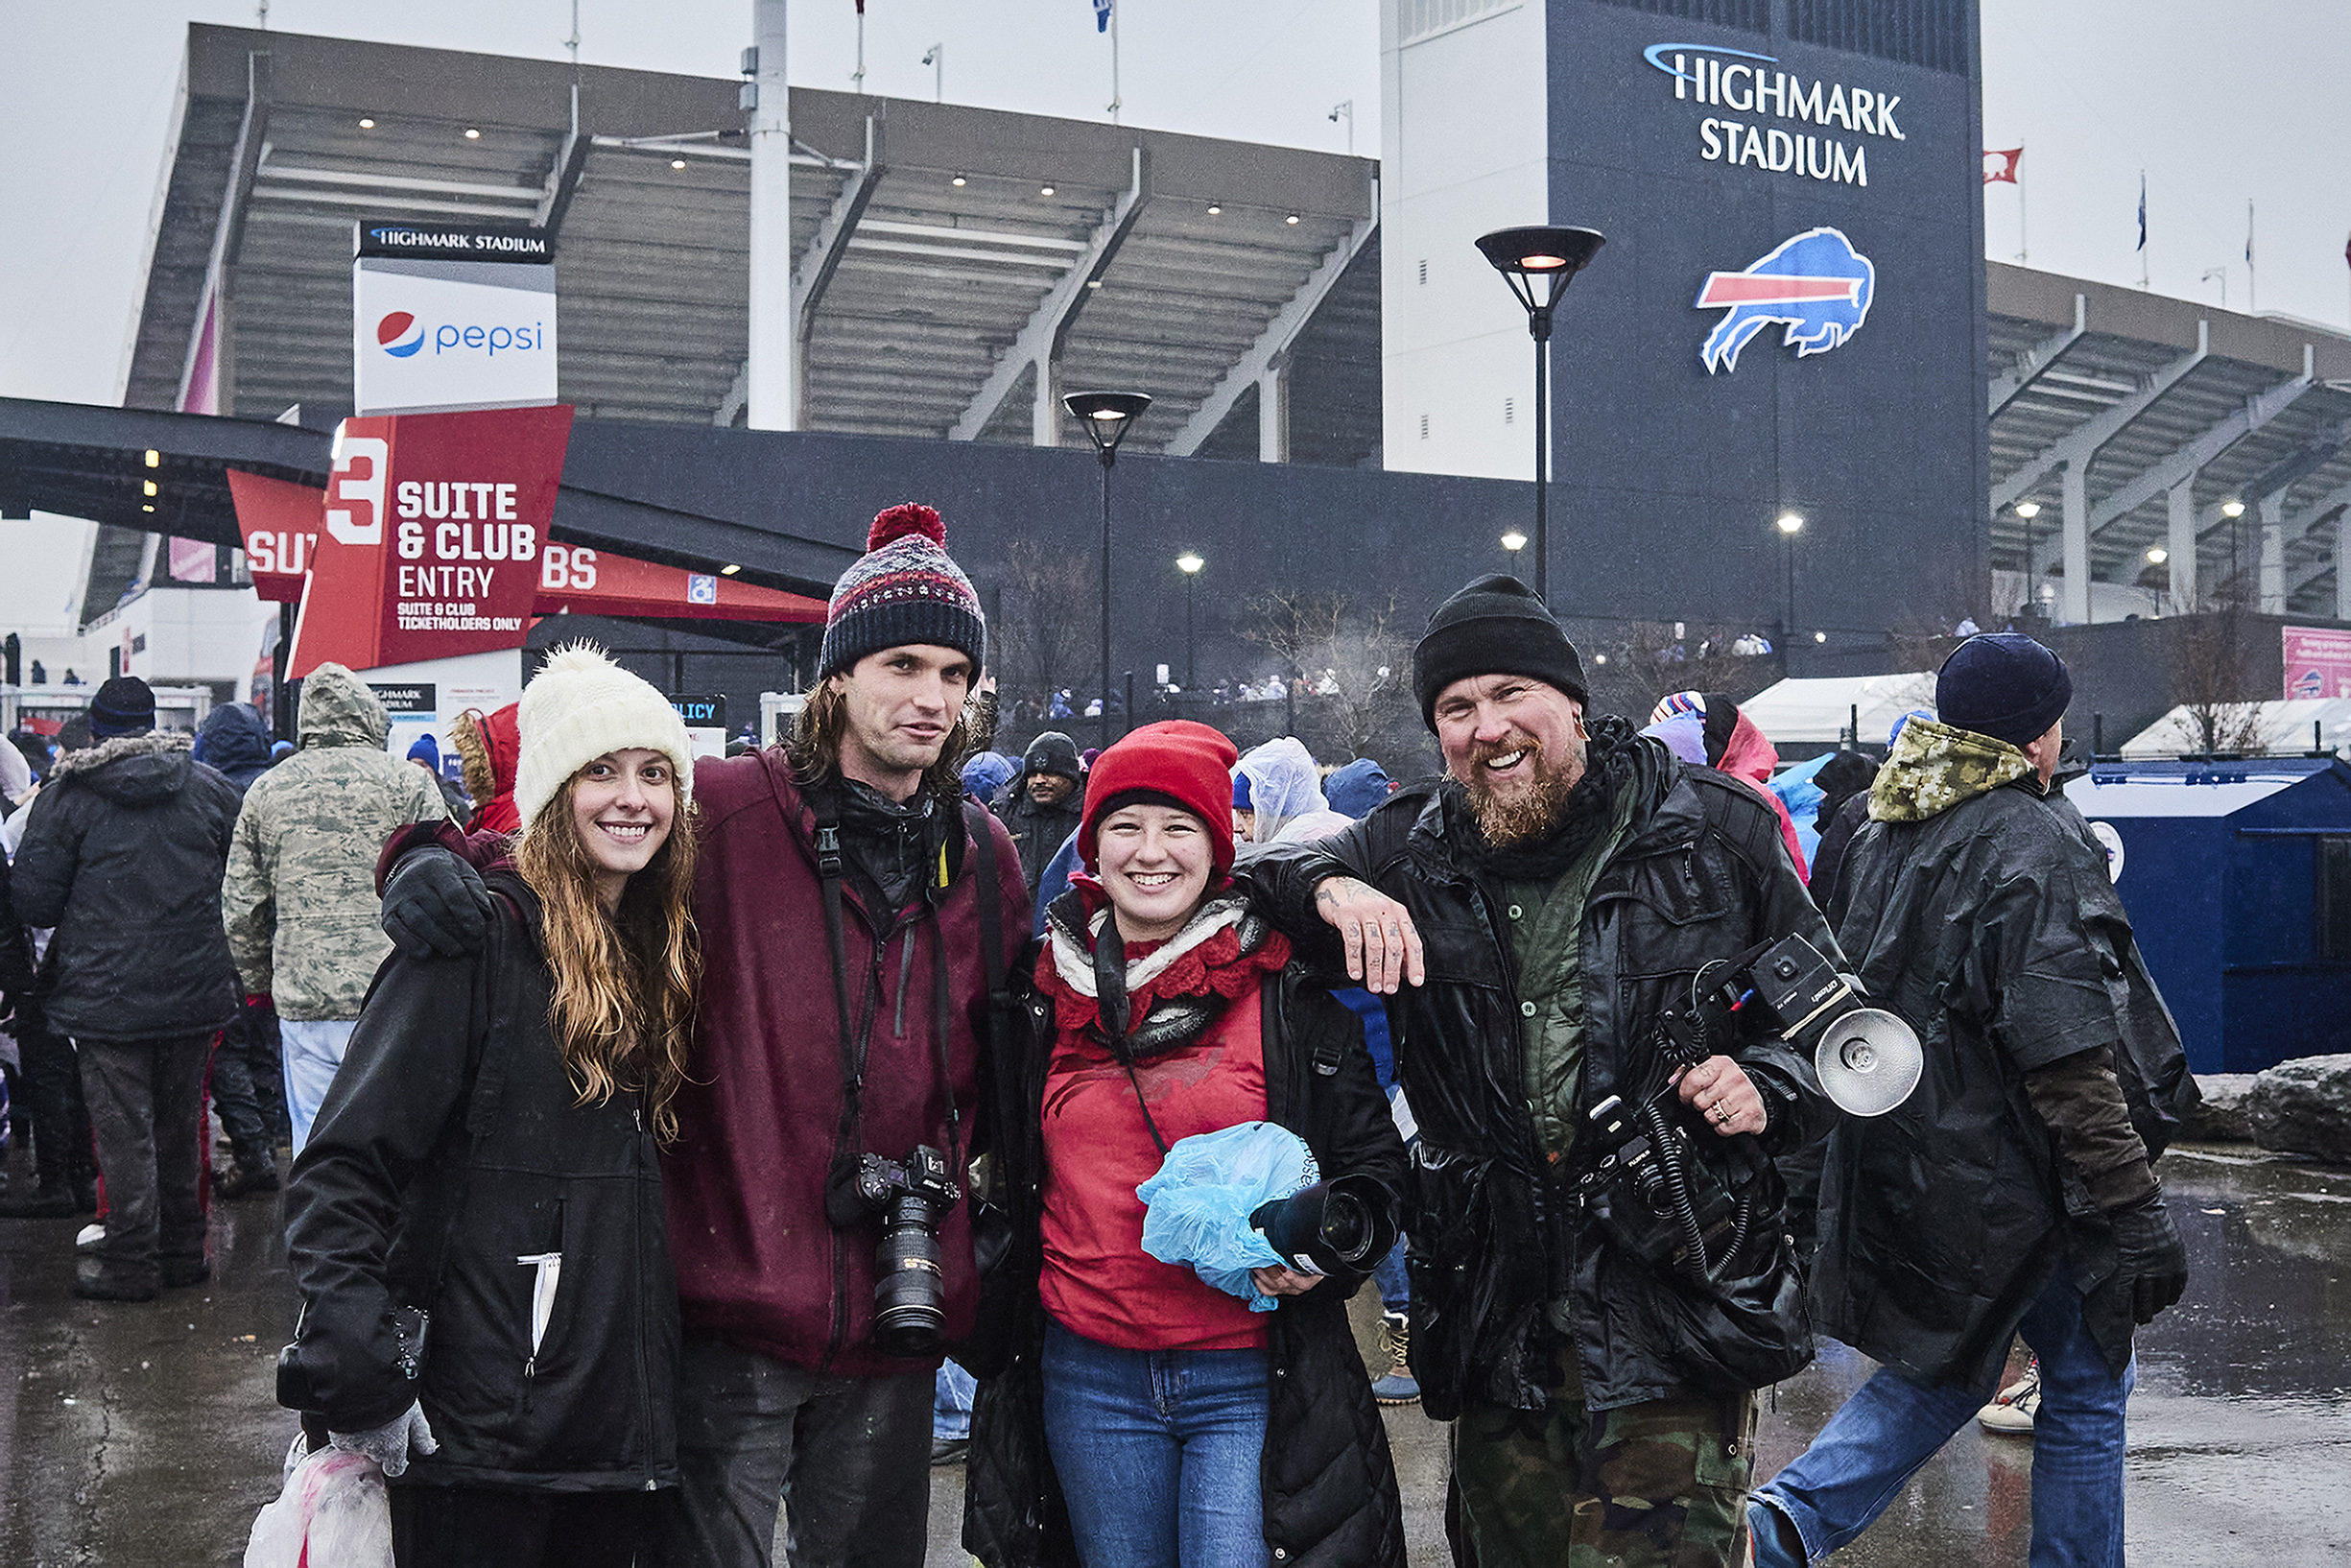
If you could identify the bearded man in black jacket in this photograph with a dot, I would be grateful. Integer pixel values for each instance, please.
(1529, 918)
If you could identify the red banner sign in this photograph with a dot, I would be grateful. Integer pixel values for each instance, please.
(586, 581)
(432, 533)
(280, 525)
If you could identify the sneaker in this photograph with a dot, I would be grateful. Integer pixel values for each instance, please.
(89, 1236)
(1398, 1387)
(2012, 1413)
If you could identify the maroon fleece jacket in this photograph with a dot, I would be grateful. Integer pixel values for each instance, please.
(759, 1121)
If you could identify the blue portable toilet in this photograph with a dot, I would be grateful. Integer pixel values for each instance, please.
(2237, 877)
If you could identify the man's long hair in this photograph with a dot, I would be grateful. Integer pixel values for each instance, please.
(814, 745)
(623, 1003)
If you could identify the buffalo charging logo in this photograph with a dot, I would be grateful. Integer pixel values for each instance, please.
(1816, 285)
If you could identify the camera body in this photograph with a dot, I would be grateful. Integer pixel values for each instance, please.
(910, 1198)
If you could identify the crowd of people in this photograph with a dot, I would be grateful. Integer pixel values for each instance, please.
(681, 1146)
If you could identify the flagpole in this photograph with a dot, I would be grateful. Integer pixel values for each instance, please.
(2252, 292)
(858, 76)
(1114, 92)
(2143, 228)
(2022, 249)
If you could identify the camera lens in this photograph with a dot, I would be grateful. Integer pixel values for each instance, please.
(909, 1298)
(1346, 1227)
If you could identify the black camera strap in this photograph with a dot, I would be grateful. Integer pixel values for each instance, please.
(1113, 1008)
(829, 870)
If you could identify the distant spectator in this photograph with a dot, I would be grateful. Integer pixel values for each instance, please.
(1354, 790)
(986, 772)
(234, 741)
(1737, 748)
(489, 744)
(1277, 787)
(124, 855)
(425, 752)
(248, 1081)
(40, 676)
(300, 905)
(1042, 806)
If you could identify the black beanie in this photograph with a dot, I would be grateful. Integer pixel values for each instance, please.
(125, 706)
(1494, 627)
(1054, 754)
(2003, 684)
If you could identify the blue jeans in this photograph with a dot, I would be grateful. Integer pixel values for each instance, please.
(951, 1394)
(1395, 1285)
(1157, 1452)
(1870, 1449)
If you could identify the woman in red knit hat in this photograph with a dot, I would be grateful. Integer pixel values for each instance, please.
(1147, 1420)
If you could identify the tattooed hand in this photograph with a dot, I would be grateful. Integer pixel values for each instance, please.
(1382, 949)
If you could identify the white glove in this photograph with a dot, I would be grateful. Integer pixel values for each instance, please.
(390, 1443)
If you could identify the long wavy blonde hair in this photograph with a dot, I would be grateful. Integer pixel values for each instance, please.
(623, 1003)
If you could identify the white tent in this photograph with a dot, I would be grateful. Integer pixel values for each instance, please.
(1819, 712)
(2283, 726)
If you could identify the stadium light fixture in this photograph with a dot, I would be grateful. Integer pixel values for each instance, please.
(1105, 416)
(1551, 258)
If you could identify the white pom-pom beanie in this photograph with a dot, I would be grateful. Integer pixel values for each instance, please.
(578, 707)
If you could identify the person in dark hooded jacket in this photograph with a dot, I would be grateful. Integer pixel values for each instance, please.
(124, 855)
(2015, 1191)
(1042, 806)
(234, 741)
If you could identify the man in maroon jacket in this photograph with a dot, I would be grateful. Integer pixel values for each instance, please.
(822, 1035)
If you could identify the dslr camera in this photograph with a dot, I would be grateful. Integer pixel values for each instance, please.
(910, 1198)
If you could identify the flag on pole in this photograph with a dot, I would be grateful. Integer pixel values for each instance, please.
(2000, 164)
(2143, 212)
(1102, 16)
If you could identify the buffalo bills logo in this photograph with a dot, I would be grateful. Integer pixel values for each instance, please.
(1817, 285)
(394, 326)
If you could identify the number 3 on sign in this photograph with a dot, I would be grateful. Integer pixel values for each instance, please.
(355, 506)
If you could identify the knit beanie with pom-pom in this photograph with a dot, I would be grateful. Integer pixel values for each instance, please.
(903, 590)
(578, 707)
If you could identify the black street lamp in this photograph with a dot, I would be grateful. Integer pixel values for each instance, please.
(1790, 523)
(1554, 255)
(1189, 563)
(1106, 416)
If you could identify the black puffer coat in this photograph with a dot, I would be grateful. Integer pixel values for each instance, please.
(1495, 1231)
(1992, 928)
(123, 853)
(1326, 1481)
(450, 1146)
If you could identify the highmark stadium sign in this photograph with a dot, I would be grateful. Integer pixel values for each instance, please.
(1749, 84)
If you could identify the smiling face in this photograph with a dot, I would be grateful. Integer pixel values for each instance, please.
(1517, 745)
(623, 806)
(1050, 789)
(899, 706)
(1154, 862)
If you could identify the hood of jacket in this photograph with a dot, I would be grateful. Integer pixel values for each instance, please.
(1356, 788)
(131, 770)
(338, 709)
(1284, 784)
(234, 741)
(1935, 766)
(1749, 753)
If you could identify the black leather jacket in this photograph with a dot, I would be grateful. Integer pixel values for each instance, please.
(1496, 1232)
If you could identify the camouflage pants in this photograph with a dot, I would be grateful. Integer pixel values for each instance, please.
(1656, 1486)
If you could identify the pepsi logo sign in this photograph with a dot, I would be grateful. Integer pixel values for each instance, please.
(1816, 285)
(391, 334)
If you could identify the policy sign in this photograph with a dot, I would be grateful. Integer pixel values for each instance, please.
(432, 536)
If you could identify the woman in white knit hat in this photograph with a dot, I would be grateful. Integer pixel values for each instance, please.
(476, 1224)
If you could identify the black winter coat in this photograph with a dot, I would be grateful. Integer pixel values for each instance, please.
(1495, 1231)
(450, 1146)
(1993, 930)
(123, 854)
(1327, 1483)
(1037, 831)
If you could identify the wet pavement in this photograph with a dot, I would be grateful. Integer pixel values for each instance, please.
(139, 1435)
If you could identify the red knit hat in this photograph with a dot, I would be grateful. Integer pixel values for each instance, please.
(1188, 764)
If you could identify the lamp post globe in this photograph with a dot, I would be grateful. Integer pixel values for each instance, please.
(1538, 263)
(1105, 416)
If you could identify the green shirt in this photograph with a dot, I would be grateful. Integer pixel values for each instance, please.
(1545, 929)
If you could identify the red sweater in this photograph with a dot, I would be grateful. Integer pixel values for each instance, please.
(1097, 1281)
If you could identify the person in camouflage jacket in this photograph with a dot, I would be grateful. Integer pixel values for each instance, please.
(299, 900)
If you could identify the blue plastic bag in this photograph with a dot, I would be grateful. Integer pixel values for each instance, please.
(1196, 1211)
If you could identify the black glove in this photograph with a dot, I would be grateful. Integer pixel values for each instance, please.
(435, 905)
(2150, 1256)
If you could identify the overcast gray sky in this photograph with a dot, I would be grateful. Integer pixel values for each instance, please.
(2218, 103)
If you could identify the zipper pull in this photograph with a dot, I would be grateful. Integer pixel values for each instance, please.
(530, 1368)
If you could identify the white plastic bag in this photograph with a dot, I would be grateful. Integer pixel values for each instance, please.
(333, 1515)
(1197, 1209)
